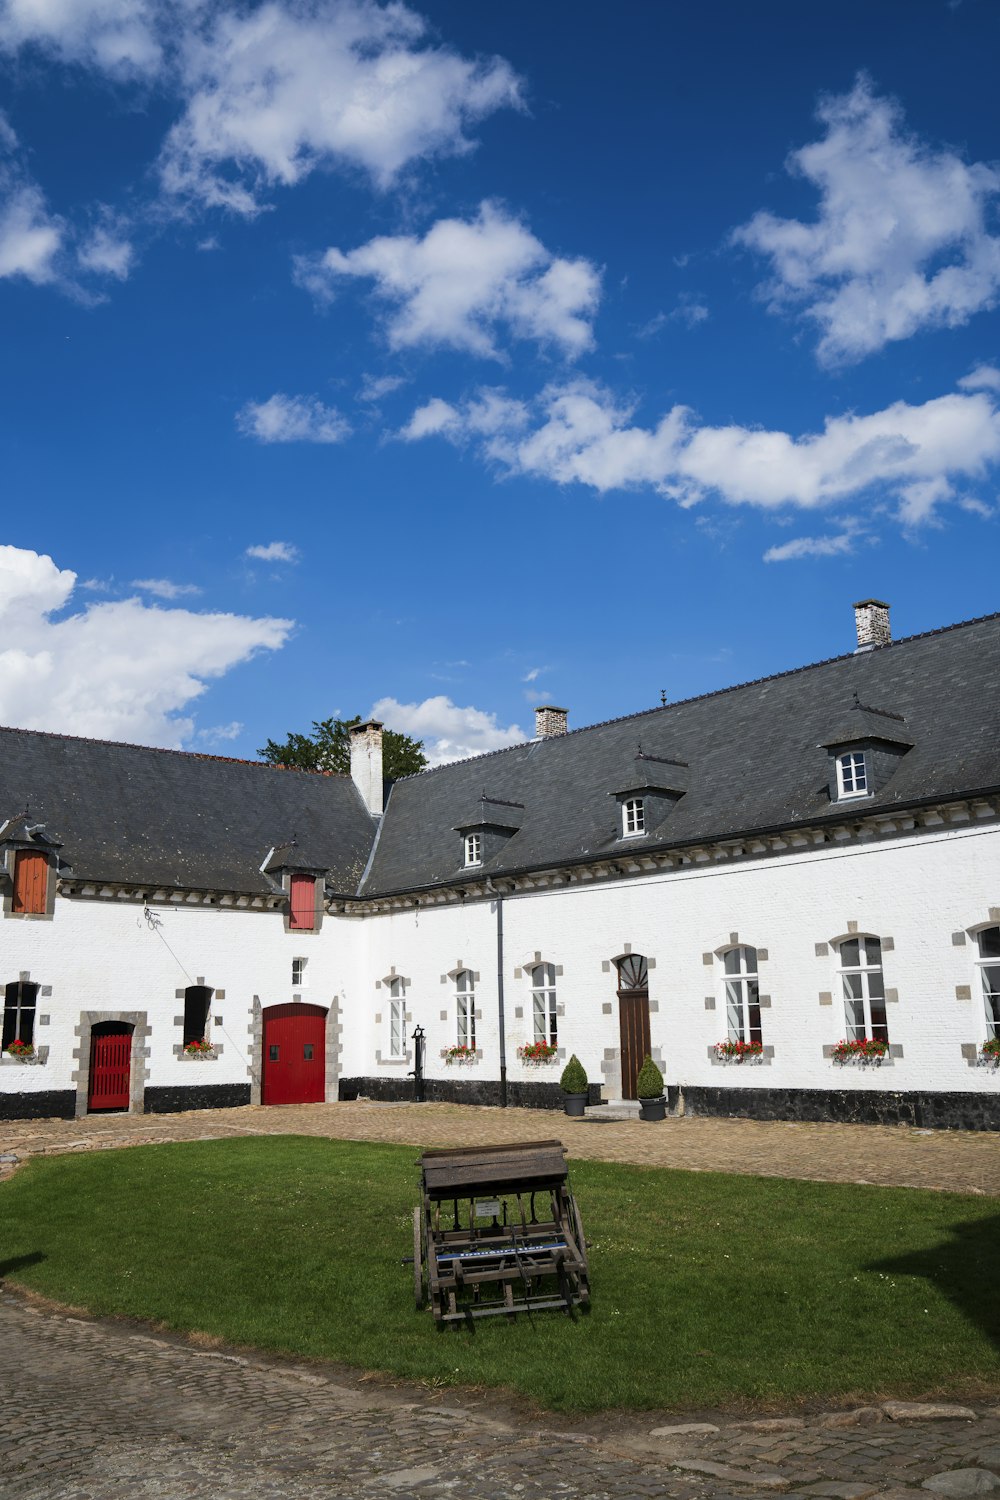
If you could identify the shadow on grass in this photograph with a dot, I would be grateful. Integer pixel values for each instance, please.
(964, 1268)
(20, 1262)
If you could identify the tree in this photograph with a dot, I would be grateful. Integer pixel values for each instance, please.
(328, 748)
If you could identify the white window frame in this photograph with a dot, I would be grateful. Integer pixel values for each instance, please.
(869, 975)
(473, 849)
(741, 994)
(633, 817)
(990, 984)
(299, 980)
(397, 1019)
(544, 1012)
(465, 1008)
(852, 775)
(20, 1009)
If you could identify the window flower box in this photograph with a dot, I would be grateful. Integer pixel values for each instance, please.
(199, 1052)
(24, 1054)
(739, 1052)
(462, 1054)
(989, 1052)
(536, 1054)
(21, 1050)
(860, 1050)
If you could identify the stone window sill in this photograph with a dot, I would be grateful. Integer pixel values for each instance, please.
(38, 1059)
(895, 1051)
(197, 1057)
(763, 1061)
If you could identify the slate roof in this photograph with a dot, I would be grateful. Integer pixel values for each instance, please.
(754, 753)
(162, 817)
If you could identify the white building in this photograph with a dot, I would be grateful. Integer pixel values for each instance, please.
(743, 884)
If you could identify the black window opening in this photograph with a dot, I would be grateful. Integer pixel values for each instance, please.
(197, 999)
(19, 1013)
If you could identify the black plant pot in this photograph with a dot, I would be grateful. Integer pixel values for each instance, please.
(653, 1109)
(574, 1104)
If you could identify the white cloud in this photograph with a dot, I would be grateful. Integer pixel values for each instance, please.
(982, 378)
(578, 433)
(220, 734)
(162, 588)
(374, 387)
(812, 546)
(30, 236)
(687, 310)
(292, 419)
(465, 280)
(114, 36)
(121, 670)
(274, 552)
(448, 731)
(276, 92)
(899, 243)
(106, 253)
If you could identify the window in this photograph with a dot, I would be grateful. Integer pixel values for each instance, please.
(852, 774)
(742, 996)
(299, 973)
(466, 996)
(543, 1003)
(633, 817)
(397, 1019)
(989, 968)
(31, 883)
(19, 1014)
(864, 990)
(302, 903)
(473, 849)
(197, 998)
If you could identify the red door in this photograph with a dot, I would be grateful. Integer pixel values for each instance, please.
(294, 1055)
(110, 1066)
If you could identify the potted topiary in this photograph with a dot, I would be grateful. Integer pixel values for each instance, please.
(649, 1090)
(574, 1086)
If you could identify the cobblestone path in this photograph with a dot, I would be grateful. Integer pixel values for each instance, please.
(960, 1161)
(95, 1411)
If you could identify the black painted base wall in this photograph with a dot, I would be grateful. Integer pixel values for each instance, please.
(53, 1104)
(169, 1101)
(852, 1106)
(462, 1091)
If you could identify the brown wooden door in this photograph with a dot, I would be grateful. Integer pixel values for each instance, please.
(110, 1066)
(633, 1014)
(31, 874)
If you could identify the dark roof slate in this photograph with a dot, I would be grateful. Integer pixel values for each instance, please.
(754, 753)
(162, 817)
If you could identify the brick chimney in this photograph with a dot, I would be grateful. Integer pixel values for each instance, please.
(366, 764)
(550, 721)
(871, 616)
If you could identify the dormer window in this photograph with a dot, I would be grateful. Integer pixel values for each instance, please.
(633, 817)
(473, 849)
(852, 775)
(302, 903)
(31, 882)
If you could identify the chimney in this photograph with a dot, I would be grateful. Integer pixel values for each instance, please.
(871, 616)
(550, 721)
(366, 764)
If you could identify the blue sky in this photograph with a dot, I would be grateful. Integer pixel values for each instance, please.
(444, 360)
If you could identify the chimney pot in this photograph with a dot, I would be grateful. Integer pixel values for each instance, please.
(366, 763)
(550, 721)
(871, 618)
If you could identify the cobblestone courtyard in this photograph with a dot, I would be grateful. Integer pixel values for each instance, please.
(97, 1411)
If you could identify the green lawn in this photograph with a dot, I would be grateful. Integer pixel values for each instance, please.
(708, 1289)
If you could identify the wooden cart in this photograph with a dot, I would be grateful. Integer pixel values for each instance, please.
(498, 1231)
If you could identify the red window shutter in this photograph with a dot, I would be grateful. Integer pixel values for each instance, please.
(31, 882)
(303, 902)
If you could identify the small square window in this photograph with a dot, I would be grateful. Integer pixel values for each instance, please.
(298, 973)
(633, 817)
(852, 774)
(473, 849)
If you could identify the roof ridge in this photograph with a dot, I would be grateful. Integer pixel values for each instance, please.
(231, 760)
(734, 687)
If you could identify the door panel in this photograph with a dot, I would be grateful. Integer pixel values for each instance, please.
(294, 1055)
(633, 1012)
(110, 1069)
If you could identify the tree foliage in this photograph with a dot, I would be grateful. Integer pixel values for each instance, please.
(328, 748)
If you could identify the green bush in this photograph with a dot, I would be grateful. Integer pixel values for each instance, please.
(574, 1077)
(649, 1084)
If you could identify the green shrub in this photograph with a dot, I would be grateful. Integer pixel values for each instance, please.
(574, 1077)
(649, 1084)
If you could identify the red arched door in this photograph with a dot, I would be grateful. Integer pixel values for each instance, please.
(110, 1066)
(294, 1055)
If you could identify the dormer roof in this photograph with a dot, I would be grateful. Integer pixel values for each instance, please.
(862, 724)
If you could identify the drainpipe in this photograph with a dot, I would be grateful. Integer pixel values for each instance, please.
(500, 1004)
